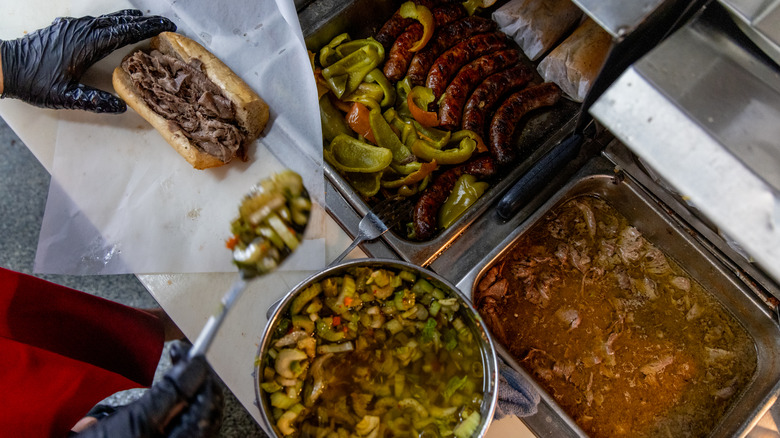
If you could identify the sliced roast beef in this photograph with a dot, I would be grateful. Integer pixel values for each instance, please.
(189, 100)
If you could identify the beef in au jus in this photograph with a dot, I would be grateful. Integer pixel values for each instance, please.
(619, 334)
(189, 100)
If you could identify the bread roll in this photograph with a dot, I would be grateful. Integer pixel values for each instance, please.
(537, 25)
(576, 62)
(191, 112)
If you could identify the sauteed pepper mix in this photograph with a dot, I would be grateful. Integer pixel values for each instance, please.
(382, 138)
(374, 353)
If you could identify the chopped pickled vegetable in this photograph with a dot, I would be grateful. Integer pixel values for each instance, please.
(384, 365)
(270, 224)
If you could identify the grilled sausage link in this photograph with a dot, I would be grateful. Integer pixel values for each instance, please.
(489, 93)
(448, 63)
(400, 55)
(471, 75)
(392, 29)
(506, 117)
(426, 210)
(444, 38)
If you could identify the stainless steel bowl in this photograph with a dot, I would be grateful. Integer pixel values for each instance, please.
(472, 318)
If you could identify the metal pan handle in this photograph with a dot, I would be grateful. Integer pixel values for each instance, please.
(536, 177)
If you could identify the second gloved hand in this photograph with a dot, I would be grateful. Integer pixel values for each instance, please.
(187, 402)
(44, 67)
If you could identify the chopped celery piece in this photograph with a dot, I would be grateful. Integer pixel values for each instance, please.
(270, 387)
(325, 330)
(394, 326)
(304, 297)
(304, 323)
(468, 426)
(422, 286)
(407, 276)
(434, 308)
(453, 385)
(282, 401)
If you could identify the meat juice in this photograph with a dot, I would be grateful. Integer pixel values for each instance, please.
(624, 340)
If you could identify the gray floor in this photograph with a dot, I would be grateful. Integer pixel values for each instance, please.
(24, 185)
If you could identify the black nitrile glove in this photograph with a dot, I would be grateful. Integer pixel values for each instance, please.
(43, 68)
(187, 402)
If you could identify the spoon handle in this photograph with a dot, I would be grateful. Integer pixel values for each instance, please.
(209, 331)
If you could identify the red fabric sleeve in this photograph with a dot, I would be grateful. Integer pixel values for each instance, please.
(62, 351)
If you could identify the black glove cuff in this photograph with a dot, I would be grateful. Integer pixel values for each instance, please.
(21, 65)
(8, 60)
(188, 377)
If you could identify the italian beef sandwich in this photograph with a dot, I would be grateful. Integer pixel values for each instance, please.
(196, 102)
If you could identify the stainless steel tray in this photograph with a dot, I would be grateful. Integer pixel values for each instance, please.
(323, 20)
(760, 20)
(598, 178)
(701, 109)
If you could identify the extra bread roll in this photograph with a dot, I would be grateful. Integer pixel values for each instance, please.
(537, 25)
(196, 102)
(576, 62)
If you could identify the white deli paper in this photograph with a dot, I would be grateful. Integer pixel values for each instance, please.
(123, 201)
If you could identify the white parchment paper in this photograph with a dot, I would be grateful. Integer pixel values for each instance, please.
(123, 201)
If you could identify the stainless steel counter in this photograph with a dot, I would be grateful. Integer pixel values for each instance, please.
(702, 110)
(760, 20)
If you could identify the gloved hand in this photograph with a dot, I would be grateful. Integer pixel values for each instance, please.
(187, 402)
(44, 67)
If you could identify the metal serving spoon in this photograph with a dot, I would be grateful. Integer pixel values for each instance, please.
(269, 228)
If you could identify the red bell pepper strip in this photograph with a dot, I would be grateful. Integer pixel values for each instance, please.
(358, 120)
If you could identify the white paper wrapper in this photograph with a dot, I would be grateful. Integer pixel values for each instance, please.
(536, 25)
(575, 63)
(149, 211)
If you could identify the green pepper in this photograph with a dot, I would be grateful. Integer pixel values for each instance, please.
(438, 138)
(342, 46)
(401, 125)
(464, 194)
(386, 138)
(328, 54)
(424, 170)
(345, 75)
(424, 16)
(332, 120)
(427, 151)
(402, 90)
(376, 76)
(348, 154)
(408, 133)
(366, 100)
(366, 92)
(413, 190)
(367, 184)
(406, 169)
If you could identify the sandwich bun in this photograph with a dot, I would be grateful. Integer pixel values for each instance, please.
(251, 112)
